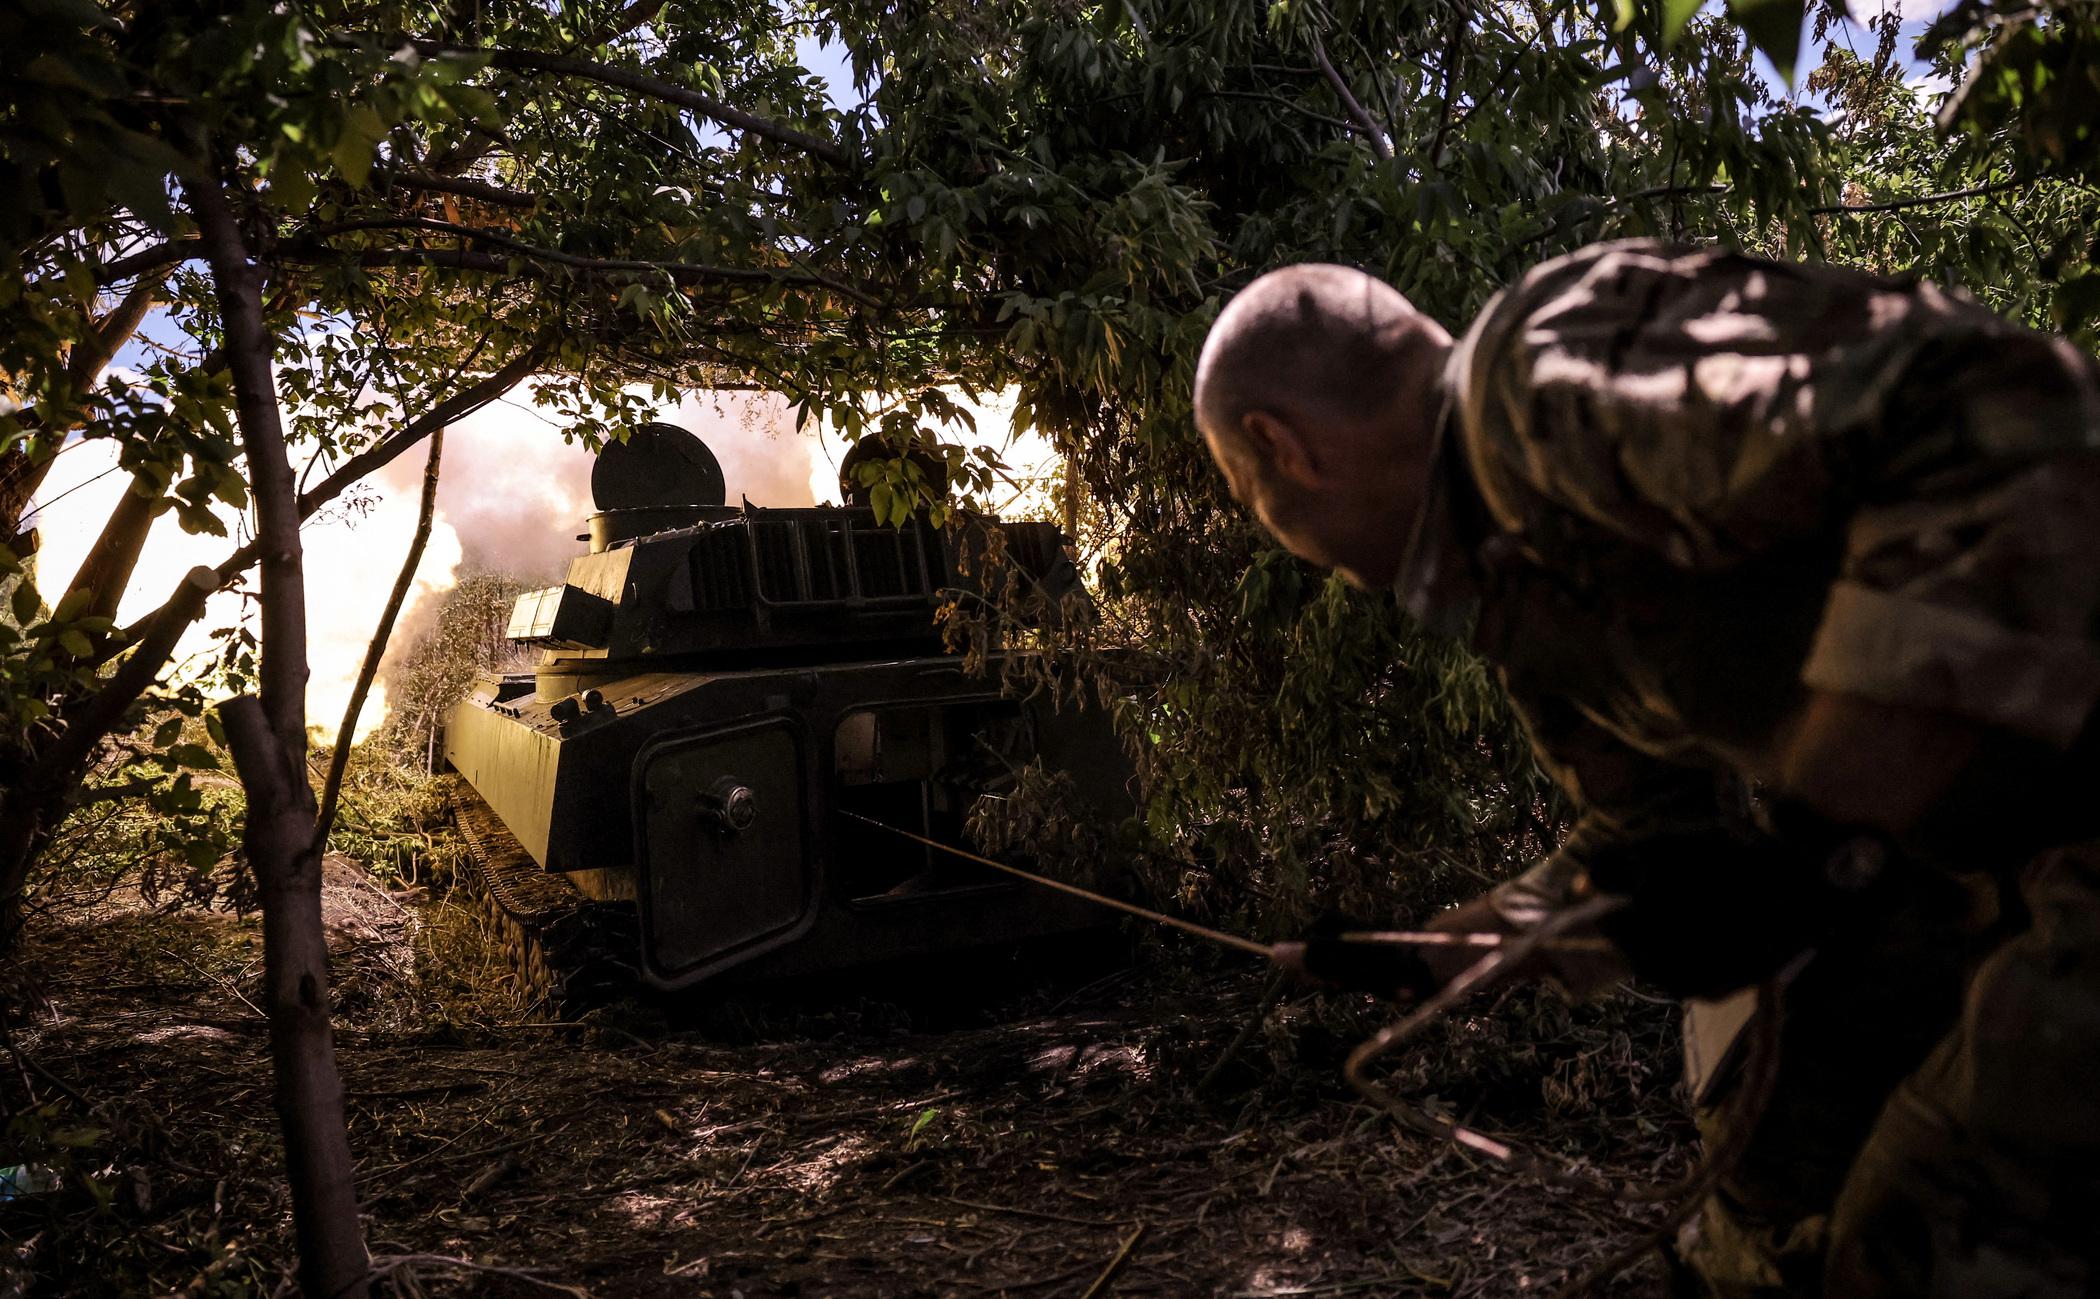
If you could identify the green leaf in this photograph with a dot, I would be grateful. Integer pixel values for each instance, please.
(1675, 14)
(26, 601)
(69, 608)
(72, 642)
(193, 755)
(352, 155)
(1773, 26)
(167, 733)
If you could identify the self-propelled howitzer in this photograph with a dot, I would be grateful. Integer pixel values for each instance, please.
(666, 793)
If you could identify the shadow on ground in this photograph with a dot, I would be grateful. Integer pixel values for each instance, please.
(1025, 1143)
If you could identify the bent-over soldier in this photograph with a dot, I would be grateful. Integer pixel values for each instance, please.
(1793, 574)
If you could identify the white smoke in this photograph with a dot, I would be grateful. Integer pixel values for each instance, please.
(513, 496)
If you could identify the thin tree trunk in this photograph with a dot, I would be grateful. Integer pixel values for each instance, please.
(106, 571)
(40, 793)
(339, 761)
(268, 738)
(21, 474)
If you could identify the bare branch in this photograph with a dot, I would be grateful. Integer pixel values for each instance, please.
(339, 759)
(309, 249)
(568, 65)
(1357, 114)
(479, 191)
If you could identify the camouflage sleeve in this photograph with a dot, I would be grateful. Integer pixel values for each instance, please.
(1969, 583)
(1698, 404)
(1708, 407)
(1676, 842)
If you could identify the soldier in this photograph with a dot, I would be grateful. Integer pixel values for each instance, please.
(1793, 574)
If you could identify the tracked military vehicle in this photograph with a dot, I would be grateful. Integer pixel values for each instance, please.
(733, 710)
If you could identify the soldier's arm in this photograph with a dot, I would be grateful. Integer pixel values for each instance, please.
(1956, 670)
(1859, 761)
(1712, 902)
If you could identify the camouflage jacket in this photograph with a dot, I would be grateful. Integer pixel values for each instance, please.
(1676, 489)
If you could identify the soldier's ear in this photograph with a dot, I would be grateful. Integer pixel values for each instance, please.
(1281, 448)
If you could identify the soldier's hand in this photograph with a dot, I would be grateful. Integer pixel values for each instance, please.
(1580, 961)
(1402, 972)
(1383, 970)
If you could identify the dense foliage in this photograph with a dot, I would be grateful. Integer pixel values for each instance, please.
(1105, 176)
(1053, 198)
(346, 223)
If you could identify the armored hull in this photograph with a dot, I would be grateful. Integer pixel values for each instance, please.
(668, 792)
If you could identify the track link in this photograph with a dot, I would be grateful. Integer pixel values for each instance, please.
(566, 952)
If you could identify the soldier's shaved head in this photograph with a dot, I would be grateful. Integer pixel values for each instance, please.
(1329, 342)
(1317, 390)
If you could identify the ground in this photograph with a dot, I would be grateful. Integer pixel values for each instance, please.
(1121, 1135)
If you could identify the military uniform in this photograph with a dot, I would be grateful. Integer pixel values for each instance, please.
(1676, 491)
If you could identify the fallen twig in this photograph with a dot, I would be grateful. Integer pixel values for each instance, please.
(1034, 1213)
(1115, 1265)
(385, 1265)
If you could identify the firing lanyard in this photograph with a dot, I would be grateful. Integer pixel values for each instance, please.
(1500, 954)
(1266, 951)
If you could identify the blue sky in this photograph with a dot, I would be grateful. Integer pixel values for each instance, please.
(1917, 16)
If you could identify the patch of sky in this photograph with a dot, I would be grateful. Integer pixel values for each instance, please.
(1853, 35)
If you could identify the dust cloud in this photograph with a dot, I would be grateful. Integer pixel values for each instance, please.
(512, 497)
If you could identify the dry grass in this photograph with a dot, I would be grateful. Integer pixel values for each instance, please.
(845, 1150)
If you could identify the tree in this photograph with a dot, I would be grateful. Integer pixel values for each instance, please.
(1101, 177)
(359, 247)
(362, 219)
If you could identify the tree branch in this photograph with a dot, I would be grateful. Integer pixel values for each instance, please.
(309, 250)
(111, 332)
(1280, 101)
(1924, 200)
(171, 253)
(339, 759)
(93, 717)
(1454, 51)
(1838, 209)
(569, 65)
(479, 191)
(1357, 114)
(21, 474)
(454, 408)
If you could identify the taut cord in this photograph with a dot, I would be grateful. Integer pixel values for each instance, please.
(1500, 955)
(1359, 937)
(1218, 936)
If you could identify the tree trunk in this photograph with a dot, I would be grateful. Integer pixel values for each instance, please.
(24, 831)
(20, 473)
(268, 739)
(39, 793)
(106, 571)
(339, 760)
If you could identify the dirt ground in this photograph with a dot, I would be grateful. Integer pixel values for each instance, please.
(1058, 1138)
